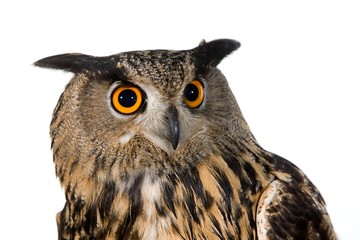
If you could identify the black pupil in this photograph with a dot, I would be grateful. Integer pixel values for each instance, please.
(191, 92)
(127, 98)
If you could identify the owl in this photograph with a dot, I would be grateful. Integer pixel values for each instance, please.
(152, 145)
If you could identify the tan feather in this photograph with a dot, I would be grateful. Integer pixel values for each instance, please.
(169, 169)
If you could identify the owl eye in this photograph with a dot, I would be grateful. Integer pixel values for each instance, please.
(194, 94)
(126, 99)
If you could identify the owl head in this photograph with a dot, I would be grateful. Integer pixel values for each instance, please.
(160, 101)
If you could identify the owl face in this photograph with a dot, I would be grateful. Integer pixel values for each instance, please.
(164, 98)
(158, 97)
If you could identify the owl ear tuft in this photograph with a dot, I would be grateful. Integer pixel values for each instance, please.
(72, 62)
(210, 54)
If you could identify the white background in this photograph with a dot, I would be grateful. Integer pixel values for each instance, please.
(296, 78)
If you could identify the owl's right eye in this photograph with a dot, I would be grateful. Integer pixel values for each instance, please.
(126, 99)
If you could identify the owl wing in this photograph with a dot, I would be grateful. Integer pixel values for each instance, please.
(288, 211)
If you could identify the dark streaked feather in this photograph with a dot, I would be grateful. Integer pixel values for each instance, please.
(287, 210)
(77, 63)
(210, 54)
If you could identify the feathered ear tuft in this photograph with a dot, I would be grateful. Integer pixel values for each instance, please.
(212, 53)
(73, 62)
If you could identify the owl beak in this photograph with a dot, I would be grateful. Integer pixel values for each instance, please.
(174, 127)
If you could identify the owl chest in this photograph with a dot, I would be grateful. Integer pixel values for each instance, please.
(187, 206)
(181, 208)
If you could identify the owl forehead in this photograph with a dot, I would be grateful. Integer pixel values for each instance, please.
(166, 70)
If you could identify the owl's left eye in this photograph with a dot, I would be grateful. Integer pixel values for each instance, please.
(194, 94)
(126, 99)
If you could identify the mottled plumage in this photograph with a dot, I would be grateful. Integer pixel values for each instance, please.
(175, 164)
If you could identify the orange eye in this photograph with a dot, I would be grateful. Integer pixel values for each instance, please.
(126, 99)
(194, 94)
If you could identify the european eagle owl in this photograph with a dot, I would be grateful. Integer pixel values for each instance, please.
(152, 145)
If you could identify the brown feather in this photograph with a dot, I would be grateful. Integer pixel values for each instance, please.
(123, 179)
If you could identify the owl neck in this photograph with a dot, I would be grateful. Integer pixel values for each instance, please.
(171, 204)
